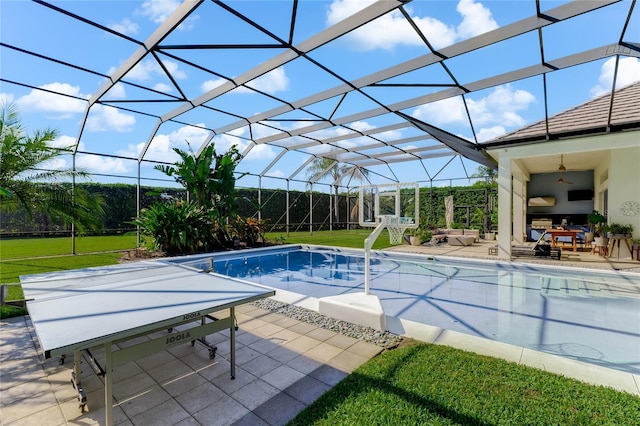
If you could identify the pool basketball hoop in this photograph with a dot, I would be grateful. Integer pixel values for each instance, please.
(394, 205)
(396, 228)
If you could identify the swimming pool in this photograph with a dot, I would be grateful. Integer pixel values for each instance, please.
(586, 315)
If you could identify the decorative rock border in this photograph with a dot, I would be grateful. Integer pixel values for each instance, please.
(383, 339)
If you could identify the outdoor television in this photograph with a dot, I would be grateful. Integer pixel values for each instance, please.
(580, 194)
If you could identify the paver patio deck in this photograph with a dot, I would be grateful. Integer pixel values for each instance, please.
(283, 365)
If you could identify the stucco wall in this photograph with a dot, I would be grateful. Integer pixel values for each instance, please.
(624, 176)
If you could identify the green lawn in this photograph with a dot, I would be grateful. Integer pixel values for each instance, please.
(35, 247)
(353, 238)
(436, 385)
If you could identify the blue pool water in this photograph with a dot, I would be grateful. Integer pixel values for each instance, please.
(586, 315)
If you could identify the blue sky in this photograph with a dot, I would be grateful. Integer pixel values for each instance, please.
(384, 42)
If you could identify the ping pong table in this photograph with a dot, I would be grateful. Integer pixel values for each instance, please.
(81, 310)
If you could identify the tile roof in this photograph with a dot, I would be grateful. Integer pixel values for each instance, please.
(588, 118)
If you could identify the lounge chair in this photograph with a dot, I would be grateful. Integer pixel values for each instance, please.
(540, 249)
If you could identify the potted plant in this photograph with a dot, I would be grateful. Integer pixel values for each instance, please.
(415, 238)
(595, 219)
(617, 230)
(635, 248)
(597, 224)
(418, 235)
(601, 239)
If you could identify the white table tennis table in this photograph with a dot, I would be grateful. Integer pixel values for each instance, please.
(80, 310)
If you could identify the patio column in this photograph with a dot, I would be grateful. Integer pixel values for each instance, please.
(519, 205)
(504, 207)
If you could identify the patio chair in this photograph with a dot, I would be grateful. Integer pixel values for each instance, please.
(540, 249)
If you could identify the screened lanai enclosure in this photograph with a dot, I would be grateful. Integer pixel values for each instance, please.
(319, 97)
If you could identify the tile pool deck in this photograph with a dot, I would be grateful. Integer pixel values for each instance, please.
(283, 365)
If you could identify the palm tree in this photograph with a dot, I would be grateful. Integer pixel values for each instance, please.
(488, 172)
(24, 183)
(322, 168)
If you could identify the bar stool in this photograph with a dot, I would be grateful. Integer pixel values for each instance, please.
(600, 249)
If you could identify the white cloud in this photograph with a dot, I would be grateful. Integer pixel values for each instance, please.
(62, 106)
(628, 72)
(476, 19)
(159, 10)
(101, 164)
(103, 118)
(361, 126)
(272, 82)
(162, 87)
(57, 163)
(63, 141)
(437, 32)
(489, 133)
(161, 146)
(442, 112)
(146, 70)
(96, 163)
(499, 107)
(260, 152)
(319, 149)
(391, 30)
(211, 84)
(275, 173)
(126, 26)
(6, 98)
(342, 9)
(172, 67)
(384, 33)
(116, 92)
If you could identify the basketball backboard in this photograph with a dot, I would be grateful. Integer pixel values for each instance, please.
(397, 203)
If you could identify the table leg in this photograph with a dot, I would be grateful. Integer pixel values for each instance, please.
(232, 336)
(108, 384)
(626, 242)
(76, 380)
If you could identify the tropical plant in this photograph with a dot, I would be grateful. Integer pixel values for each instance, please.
(322, 168)
(26, 183)
(210, 180)
(248, 230)
(208, 177)
(176, 227)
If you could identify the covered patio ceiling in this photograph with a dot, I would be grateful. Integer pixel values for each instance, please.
(370, 85)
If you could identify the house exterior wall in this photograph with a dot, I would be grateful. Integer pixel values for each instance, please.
(624, 187)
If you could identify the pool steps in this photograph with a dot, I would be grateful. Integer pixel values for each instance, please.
(358, 308)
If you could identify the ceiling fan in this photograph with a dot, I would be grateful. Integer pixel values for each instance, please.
(562, 169)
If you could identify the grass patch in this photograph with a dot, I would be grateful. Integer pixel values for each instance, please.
(353, 238)
(12, 269)
(36, 247)
(431, 384)
(9, 311)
